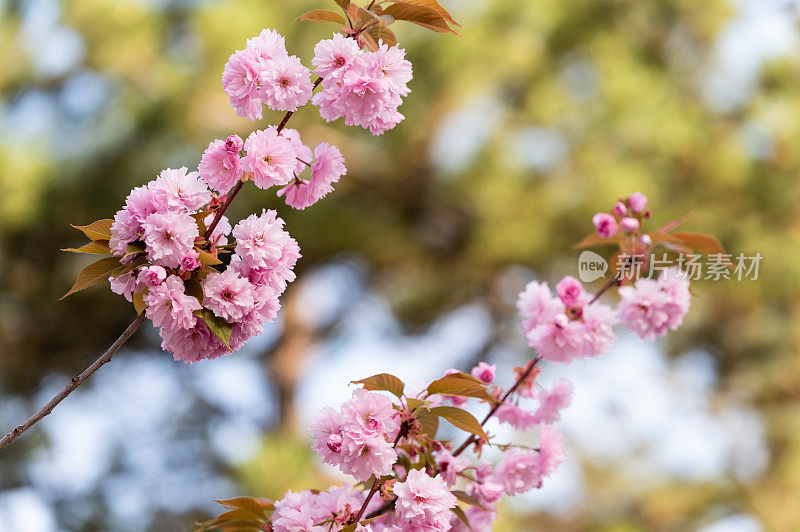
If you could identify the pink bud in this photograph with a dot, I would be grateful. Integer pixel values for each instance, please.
(605, 224)
(189, 263)
(152, 276)
(646, 240)
(570, 291)
(637, 201)
(629, 224)
(233, 144)
(335, 443)
(620, 210)
(484, 372)
(561, 321)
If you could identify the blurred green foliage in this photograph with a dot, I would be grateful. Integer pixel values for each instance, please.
(617, 80)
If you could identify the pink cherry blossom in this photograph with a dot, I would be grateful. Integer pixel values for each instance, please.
(169, 237)
(652, 307)
(327, 168)
(268, 45)
(142, 202)
(560, 340)
(519, 471)
(620, 210)
(598, 328)
(450, 466)
(517, 417)
(125, 285)
(292, 513)
(152, 276)
(326, 430)
(332, 57)
(423, 500)
(221, 231)
(484, 372)
(605, 224)
(285, 84)
(178, 189)
(365, 455)
(220, 166)
(228, 295)
(169, 306)
(552, 402)
(551, 449)
(270, 158)
(192, 345)
(369, 413)
(570, 291)
(537, 305)
(240, 80)
(125, 230)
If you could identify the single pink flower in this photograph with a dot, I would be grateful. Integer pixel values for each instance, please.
(152, 276)
(570, 291)
(332, 57)
(240, 80)
(484, 372)
(604, 224)
(270, 158)
(169, 237)
(220, 166)
(365, 455)
(268, 45)
(178, 189)
(169, 306)
(369, 413)
(423, 500)
(228, 295)
(285, 84)
(537, 305)
(552, 402)
(326, 430)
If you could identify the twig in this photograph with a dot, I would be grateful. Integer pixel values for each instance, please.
(74, 383)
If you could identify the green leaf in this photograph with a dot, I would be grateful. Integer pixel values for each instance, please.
(424, 16)
(95, 247)
(383, 381)
(99, 230)
(194, 288)
(221, 328)
(199, 219)
(460, 387)
(321, 15)
(95, 273)
(461, 419)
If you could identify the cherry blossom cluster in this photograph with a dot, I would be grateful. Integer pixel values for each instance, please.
(157, 233)
(169, 245)
(364, 87)
(407, 478)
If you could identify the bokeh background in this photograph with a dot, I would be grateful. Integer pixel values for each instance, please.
(541, 114)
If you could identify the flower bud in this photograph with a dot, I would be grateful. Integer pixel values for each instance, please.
(152, 275)
(629, 224)
(637, 201)
(189, 263)
(233, 144)
(620, 210)
(605, 224)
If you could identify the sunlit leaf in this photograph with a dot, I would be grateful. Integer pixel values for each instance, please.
(221, 328)
(321, 15)
(95, 273)
(207, 259)
(467, 498)
(461, 419)
(596, 240)
(138, 302)
(434, 5)
(257, 506)
(344, 4)
(383, 381)
(430, 424)
(669, 226)
(461, 515)
(95, 247)
(99, 230)
(459, 387)
(424, 16)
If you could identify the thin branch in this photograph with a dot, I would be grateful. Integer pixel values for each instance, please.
(221, 210)
(74, 383)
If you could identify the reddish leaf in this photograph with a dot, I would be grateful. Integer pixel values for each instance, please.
(659, 238)
(424, 16)
(344, 4)
(321, 15)
(207, 259)
(705, 244)
(99, 230)
(596, 240)
(430, 424)
(95, 273)
(669, 226)
(434, 5)
(138, 302)
(258, 507)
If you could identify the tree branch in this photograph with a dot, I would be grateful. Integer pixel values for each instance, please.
(74, 383)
